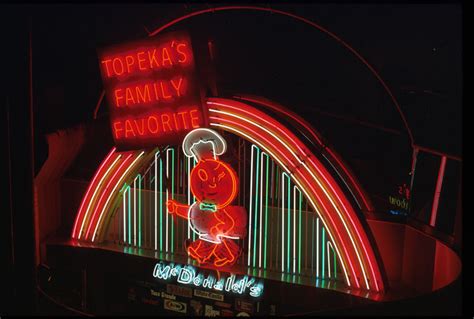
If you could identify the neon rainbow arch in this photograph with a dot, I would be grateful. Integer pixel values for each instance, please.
(238, 116)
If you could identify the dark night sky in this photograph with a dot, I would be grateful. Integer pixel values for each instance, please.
(416, 48)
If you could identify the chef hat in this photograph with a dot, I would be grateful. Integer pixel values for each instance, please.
(202, 143)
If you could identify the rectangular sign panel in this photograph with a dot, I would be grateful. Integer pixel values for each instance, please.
(152, 91)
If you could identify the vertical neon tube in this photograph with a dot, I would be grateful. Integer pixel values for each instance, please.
(172, 197)
(266, 215)
(299, 230)
(139, 210)
(189, 193)
(261, 212)
(329, 260)
(135, 212)
(317, 247)
(334, 256)
(250, 204)
(294, 229)
(129, 216)
(256, 207)
(124, 215)
(312, 243)
(161, 204)
(282, 222)
(194, 198)
(289, 222)
(156, 202)
(167, 198)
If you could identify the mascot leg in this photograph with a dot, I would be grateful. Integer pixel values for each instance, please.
(200, 250)
(226, 253)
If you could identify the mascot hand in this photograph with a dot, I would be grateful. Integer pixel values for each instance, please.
(171, 206)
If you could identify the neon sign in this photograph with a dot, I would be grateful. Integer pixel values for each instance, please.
(188, 275)
(151, 90)
(214, 184)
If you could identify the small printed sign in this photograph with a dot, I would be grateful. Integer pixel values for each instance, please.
(197, 307)
(209, 311)
(242, 305)
(175, 306)
(208, 295)
(179, 291)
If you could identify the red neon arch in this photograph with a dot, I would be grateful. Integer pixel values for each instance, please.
(347, 233)
(306, 171)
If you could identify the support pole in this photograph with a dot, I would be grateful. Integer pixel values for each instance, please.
(439, 184)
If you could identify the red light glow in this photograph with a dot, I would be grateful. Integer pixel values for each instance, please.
(164, 125)
(151, 91)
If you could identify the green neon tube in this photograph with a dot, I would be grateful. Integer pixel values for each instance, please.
(289, 221)
(299, 235)
(129, 217)
(172, 197)
(139, 210)
(194, 198)
(256, 207)
(161, 204)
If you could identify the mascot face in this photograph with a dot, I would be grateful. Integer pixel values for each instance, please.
(215, 182)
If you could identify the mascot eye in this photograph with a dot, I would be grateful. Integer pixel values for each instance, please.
(202, 175)
(220, 176)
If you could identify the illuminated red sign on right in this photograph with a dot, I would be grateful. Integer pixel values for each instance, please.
(151, 90)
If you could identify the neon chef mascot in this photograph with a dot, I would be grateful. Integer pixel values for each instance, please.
(214, 184)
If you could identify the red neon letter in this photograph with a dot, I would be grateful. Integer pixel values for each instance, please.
(107, 66)
(118, 97)
(152, 58)
(142, 131)
(185, 57)
(121, 66)
(128, 128)
(167, 122)
(140, 60)
(129, 96)
(145, 95)
(178, 86)
(155, 120)
(157, 96)
(194, 119)
(163, 91)
(117, 128)
(129, 60)
(184, 119)
(167, 58)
